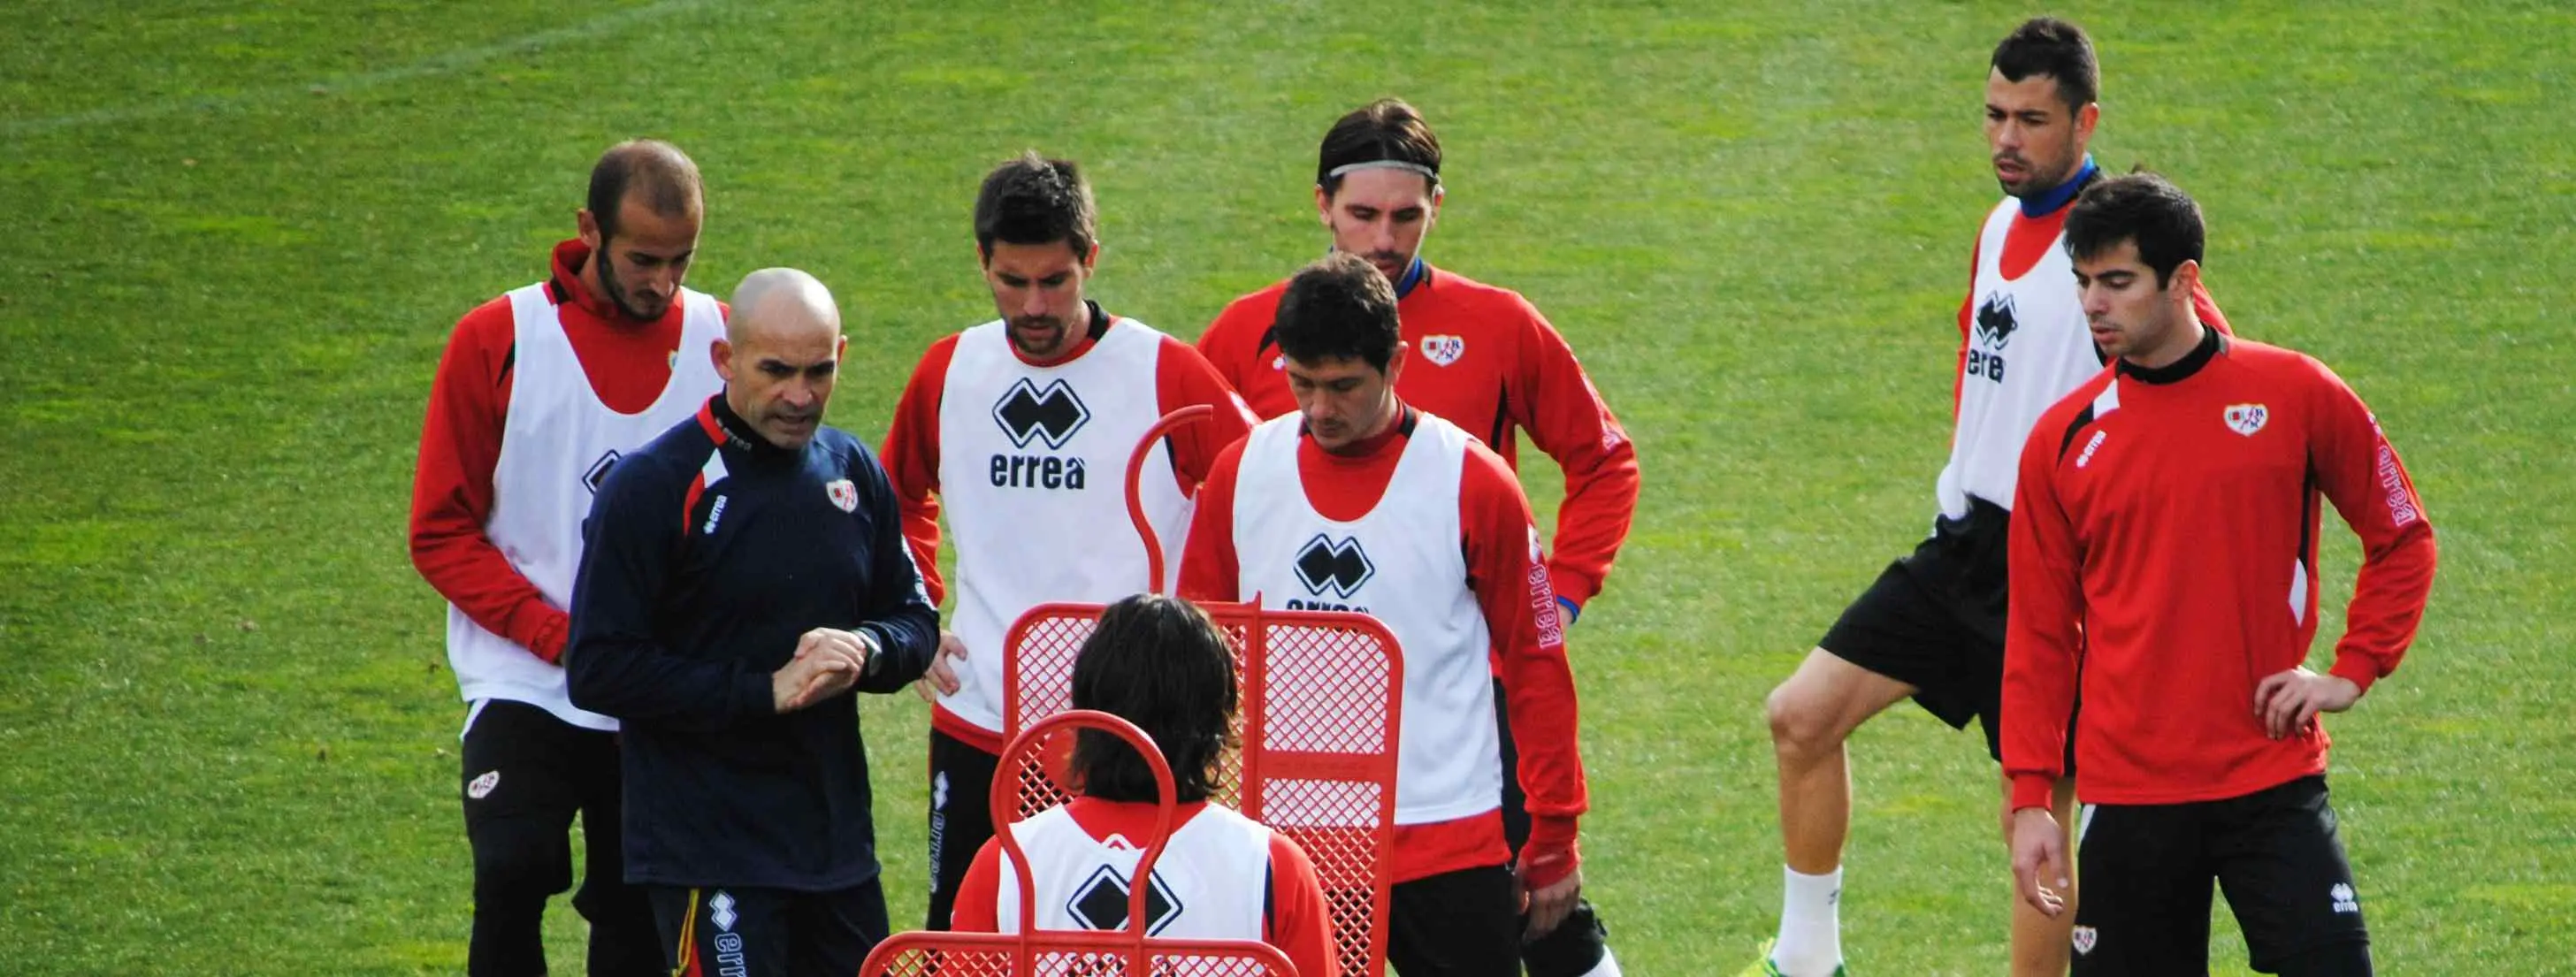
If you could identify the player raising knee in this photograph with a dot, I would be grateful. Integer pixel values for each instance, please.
(1932, 625)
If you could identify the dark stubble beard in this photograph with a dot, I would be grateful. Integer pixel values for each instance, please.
(2074, 165)
(616, 291)
(1063, 333)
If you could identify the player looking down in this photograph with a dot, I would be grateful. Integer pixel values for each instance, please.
(2164, 557)
(1481, 357)
(1932, 625)
(1362, 503)
(1020, 429)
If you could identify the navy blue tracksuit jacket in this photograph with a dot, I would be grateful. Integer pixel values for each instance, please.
(709, 552)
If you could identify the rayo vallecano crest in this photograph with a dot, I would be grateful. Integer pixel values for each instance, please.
(2246, 419)
(1444, 350)
(844, 495)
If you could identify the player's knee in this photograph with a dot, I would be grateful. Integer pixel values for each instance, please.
(517, 863)
(1800, 726)
(2347, 958)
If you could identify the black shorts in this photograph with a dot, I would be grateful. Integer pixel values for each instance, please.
(2147, 869)
(1576, 946)
(1455, 924)
(768, 932)
(524, 776)
(1935, 620)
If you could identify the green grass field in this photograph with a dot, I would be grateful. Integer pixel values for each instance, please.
(240, 232)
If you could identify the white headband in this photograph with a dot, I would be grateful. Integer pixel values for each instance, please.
(1346, 169)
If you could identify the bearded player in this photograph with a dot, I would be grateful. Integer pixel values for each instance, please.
(1932, 626)
(1022, 427)
(1483, 358)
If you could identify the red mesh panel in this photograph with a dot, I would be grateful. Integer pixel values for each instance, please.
(1321, 700)
(1063, 955)
(1029, 952)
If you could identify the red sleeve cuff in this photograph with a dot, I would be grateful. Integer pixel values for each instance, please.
(2032, 790)
(1551, 853)
(2357, 668)
(1571, 584)
(548, 640)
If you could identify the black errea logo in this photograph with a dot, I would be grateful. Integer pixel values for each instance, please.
(1995, 326)
(598, 473)
(1338, 566)
(1100, 903)
(1027, 413)
(1995, 321)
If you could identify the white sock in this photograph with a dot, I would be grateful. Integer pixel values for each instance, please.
(1811, 937)
(1608, 967)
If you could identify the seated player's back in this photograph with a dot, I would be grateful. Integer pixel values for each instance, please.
(1222, 877)
(1162, 664)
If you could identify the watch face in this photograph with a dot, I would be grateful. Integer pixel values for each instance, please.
(876, 651)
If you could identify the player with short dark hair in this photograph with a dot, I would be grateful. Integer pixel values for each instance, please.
(541, 391)
(1362, 503)
(1035, 200)
(1160, 663)
(1483, 358)
(1932, 625)
(1020, 430)
(2164, 558)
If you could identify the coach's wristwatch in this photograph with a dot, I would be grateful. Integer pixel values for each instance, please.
(876, 652)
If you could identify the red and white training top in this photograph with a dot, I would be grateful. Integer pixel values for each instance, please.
(1221, 877)
(1426, 530)
(2023, 344)
(1029, 460)
(539, 393)
(2164, 548)
(1483, 357)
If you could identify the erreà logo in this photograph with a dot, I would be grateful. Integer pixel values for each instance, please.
(1027, 413)
(1335, 565)
(1995, 322)
(1100, 902)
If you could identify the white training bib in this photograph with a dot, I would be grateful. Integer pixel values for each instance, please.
(1032, 477)
(557, 444)
(2028, 347)
(1404, 565)
(1211, 883)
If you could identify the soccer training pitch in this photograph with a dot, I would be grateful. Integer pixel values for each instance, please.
(239, 233)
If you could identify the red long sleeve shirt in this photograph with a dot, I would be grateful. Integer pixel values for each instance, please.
(1482, 358)
(2164, 550)
(1298, 924)
(628, 363)
(1538, 685)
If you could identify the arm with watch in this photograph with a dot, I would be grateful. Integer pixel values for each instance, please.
(899, 629)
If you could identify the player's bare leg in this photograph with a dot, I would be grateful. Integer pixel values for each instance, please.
(2041, 946)
(1812, 713)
